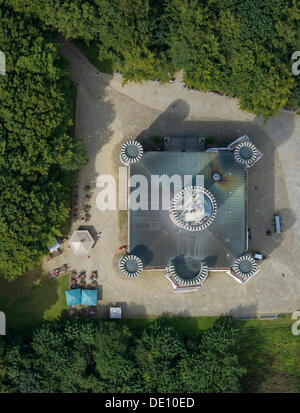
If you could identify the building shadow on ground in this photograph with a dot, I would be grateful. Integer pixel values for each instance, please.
(99, 114)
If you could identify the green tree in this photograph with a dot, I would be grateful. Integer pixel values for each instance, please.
(59, 358)
(104, 356)
(158, 353)
(213, 367)
(38, 155)
(114, 358)
(218, 43)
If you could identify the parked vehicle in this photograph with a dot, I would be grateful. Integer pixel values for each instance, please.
(258, 256)
(277, 224)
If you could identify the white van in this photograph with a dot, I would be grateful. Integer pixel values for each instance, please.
(258, 256)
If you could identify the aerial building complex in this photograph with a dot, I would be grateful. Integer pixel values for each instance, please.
(204, 227)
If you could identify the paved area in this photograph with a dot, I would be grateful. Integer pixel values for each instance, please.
(108, 114)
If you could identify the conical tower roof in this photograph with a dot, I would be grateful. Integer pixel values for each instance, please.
(131, 266)
(245, 153)
(131, 152)
(196, 280)
(245, 266)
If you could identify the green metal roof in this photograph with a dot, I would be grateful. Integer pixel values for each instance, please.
(157, 240)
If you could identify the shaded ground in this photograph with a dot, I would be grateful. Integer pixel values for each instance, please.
(108, 114)
(32, 299)
(271, 357)
(92, 53)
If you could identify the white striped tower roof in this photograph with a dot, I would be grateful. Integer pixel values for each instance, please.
(245, 153)
(131, 266)
(245, 266)
(131, 152)
(196, 280)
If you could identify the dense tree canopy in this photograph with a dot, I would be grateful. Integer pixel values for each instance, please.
(106, 356)
(240, 48)
(38, 155)
(158, 353)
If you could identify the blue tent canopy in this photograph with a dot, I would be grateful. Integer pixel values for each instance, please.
(89, 297)
(73, 297)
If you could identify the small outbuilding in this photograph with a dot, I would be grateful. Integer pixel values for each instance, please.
(81, 242)
(115, 312)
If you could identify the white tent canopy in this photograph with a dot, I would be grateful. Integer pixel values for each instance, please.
(115, 312)
(81, 242)
(54, 246)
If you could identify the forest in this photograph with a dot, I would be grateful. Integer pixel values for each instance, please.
(240, 48)
(108, 357)
(38, 152)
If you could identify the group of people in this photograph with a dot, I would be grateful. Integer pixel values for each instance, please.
(123, 248)
(55, 272)
(93, 277)
(77, 280)
(82, 311)
(86, 217)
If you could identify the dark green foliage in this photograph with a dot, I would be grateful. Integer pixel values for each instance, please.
(158, 353)
(294, 101)
(221, 337)
(38, 155)
(58, 359)
(132, 35)
(258, 18)
(114, 358)
(237, 47)
(210, 373)
(70, 18)
(105, 356)
(4, 388)
(220, 49)
(212, 367)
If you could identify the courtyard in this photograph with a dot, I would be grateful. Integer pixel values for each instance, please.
(107, 115)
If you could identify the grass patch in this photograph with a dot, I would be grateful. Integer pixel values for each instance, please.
(92, 54)
(188, 326)
(267, 348)
(271, 356)
(32, 299)
(284, 320)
